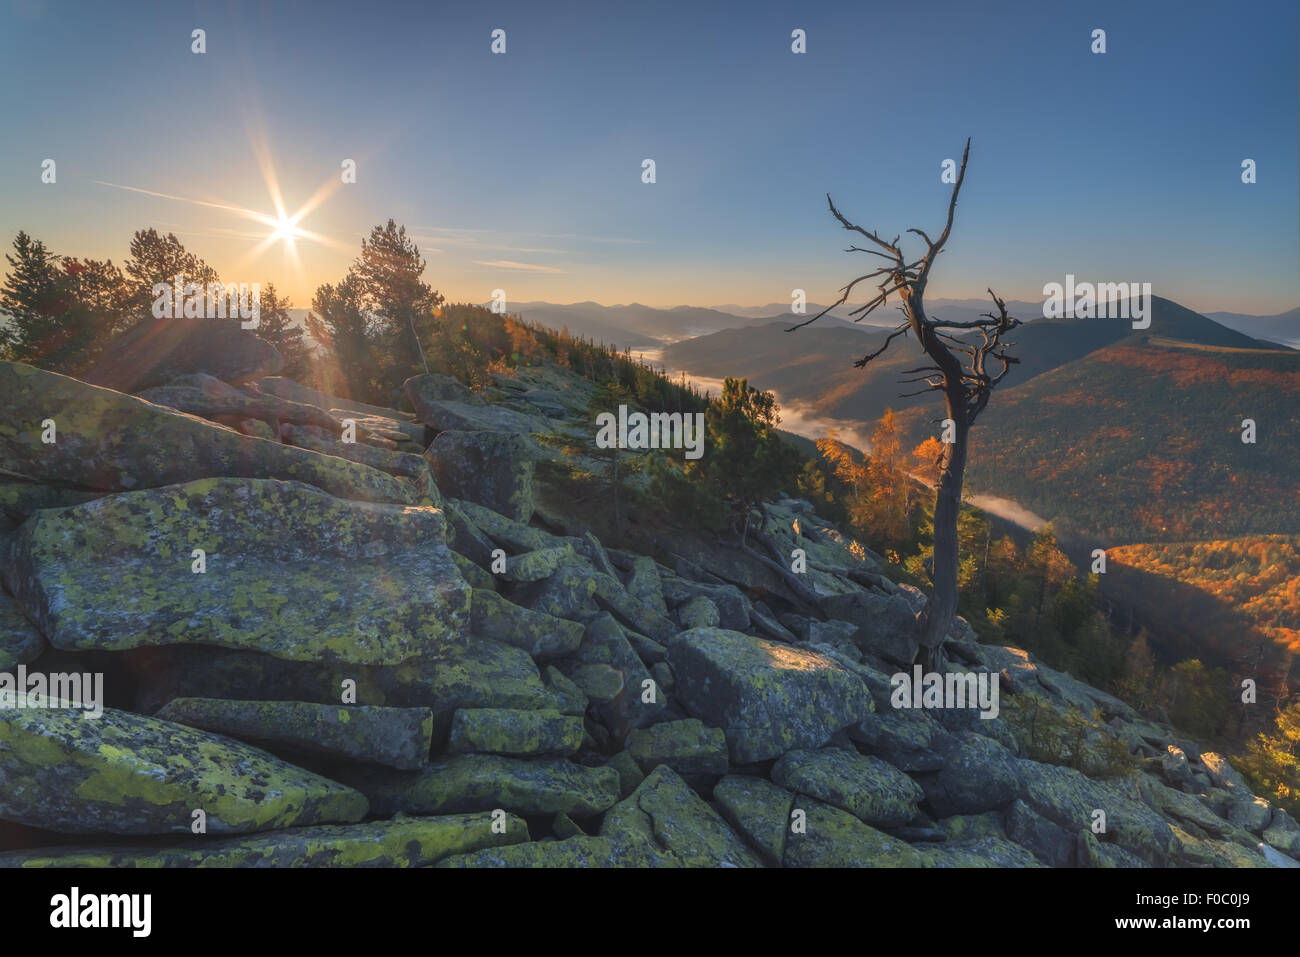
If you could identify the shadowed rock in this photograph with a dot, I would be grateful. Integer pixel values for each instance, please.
(155, 351)
(394, 737)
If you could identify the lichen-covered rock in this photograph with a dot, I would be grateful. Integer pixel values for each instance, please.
(506, 532)
(1251, 813)
(401, 842)
(565, 593)
(868, 788)
(983, 852)
(393, 737)
(1069, 798)
(768, 698)
(542, 636)
(494, 469)
(290, 571)
(606, 645)
(644, 585)
(155, 351)
(513, 732)
(484, 782)
(885, 623)
(671, 826)
(904, 738)
(20, 642)
(115, 442)
(569, 698)
(758, 809)
(600, 683)
(698, 612)
(123, 773)
(405, 464)
(636, 614)
(630, 774)
(977, 774)
(209, 397)
(579, 851)
(535, 565)
(373, 418)
(487, 674)
(688, 747)
(732, 605)
(825, 836)
(1050, 843)
(1194, 851)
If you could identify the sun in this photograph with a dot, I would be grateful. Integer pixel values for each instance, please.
(286, 229)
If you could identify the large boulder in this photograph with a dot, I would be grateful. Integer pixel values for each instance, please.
(290, 571)
(493, 469)
(401, 842)
(155, 351)
(113, 442)
(768, 698)
(394, 737)
(123, 773)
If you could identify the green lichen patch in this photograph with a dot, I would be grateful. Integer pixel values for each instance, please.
(688, 747)
(124, 773)
(514, 732)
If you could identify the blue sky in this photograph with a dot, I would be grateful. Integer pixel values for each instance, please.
(522, 171)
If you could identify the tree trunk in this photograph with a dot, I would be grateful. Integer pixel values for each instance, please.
(937, 616)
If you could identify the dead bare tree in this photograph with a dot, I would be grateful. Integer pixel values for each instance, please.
(958, 367)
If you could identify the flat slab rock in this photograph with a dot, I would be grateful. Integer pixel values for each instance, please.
(394, 737)
(484, 782)
(401, 842)
(124, 774)
(115, 442)
(769, 698)
(290, 571)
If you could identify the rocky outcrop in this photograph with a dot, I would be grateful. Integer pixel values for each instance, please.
(344, 654)
(111, 442)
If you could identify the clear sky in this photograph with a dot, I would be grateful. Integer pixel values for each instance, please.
(522, 171)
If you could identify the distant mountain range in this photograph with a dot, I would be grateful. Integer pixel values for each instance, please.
(640, 327)
(1283, 328)
(1116, 434)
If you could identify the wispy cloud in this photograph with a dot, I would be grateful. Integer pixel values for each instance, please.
(508, 264)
